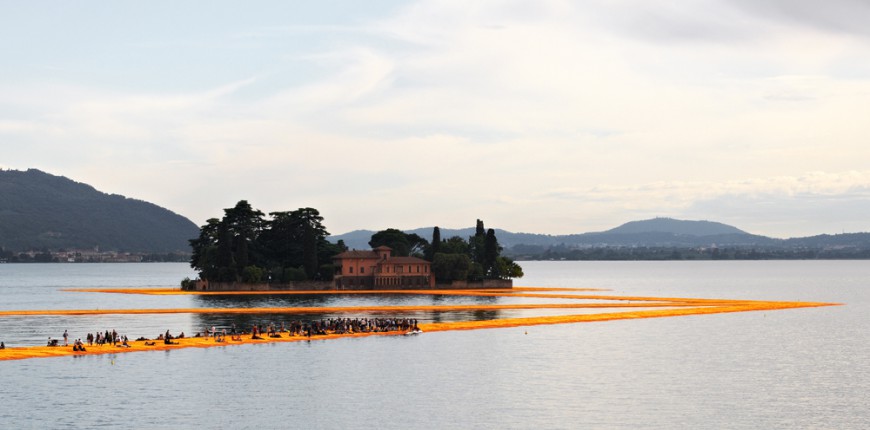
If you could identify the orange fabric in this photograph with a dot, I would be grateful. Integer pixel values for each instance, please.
(669, 307)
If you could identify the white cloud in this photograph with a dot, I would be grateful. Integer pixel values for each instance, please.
(554, 116)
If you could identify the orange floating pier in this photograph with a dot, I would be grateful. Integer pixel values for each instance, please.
(642, 307)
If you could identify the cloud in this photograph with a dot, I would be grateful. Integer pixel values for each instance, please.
(836, 16)
(550, 116)
(812, 203)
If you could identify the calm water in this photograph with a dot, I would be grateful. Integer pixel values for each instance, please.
(802, 368)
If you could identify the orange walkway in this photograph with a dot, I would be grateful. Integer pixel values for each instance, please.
(667, 307)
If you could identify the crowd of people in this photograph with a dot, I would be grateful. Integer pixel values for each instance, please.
(99, 339)
(293, 328)
(323, 327)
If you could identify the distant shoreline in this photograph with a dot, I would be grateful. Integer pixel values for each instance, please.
(521, 258)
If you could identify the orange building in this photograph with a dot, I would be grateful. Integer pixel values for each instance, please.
(378, 269)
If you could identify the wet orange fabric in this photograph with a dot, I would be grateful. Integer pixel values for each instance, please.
(668, 307)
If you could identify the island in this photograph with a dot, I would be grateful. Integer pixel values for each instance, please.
(247, 251)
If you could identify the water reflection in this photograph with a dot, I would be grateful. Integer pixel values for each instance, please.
(336, 300)
(204, 322)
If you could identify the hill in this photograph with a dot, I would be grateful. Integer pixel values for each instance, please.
(42, 211)
(359, 239)
(653, 232)
(676, 227)
(659, 236)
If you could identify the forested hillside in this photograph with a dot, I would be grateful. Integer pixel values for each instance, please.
(40, 211)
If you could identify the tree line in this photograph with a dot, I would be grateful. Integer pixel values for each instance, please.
(246, 246)
(454, 258)
(652, 253)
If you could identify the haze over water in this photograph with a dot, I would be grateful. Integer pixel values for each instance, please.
(798, 368)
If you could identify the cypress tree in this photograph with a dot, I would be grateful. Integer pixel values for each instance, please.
(490, 252)
(309, 252)
(436, 242)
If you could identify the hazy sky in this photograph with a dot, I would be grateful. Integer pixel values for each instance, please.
(535, 116)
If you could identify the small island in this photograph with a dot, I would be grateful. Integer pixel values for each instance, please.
(246, 251)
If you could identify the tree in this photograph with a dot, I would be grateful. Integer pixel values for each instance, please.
(418, 246)
(505, 268)
(476, 244)
(243, 225)
(435, 246)
(310, 222)
(297, 239)
(476, 272)
(240, 245)
(491, 251)
(204, 255)
(450, 267)
(309, 252)
(393, 238)
(454, 245)
(403, 244)
(225, 264)
(282, 242)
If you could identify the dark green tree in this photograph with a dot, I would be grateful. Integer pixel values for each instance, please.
(491, 251)
(476, 244)
(313, 232)
(454, 245)
(297, 239)
(393, 238)
(244, 225)
(507, 268)
(282, 242)
(450, 267)
(435, 246)
(243, 246)
(204, 255)
(225, 262)
(403, 244)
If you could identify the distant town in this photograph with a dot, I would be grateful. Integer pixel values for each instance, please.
(90, 256)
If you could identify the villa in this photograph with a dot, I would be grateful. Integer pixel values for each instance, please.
(378, 269)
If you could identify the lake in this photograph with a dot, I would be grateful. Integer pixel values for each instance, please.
(797, 368)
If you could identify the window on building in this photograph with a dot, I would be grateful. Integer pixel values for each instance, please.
(362, 270)
(350, 269)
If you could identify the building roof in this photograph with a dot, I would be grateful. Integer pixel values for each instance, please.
(372, 255)
(405, 260)
(357, 254)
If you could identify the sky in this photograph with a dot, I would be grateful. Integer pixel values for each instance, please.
(541, 116)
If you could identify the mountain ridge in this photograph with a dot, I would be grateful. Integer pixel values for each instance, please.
(655, 232)
(39, 210)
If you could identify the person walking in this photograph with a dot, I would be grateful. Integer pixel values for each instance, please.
(65, 338)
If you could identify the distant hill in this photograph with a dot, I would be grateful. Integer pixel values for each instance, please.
(359, 239)
(651, 233)
(676, 227)
(42, 211)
